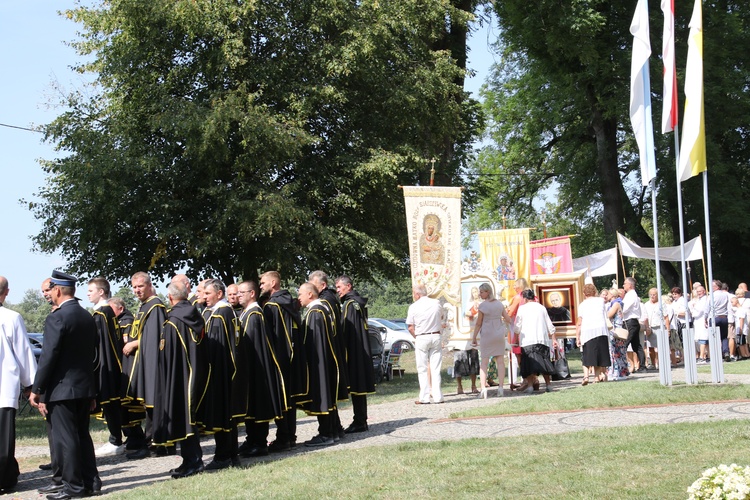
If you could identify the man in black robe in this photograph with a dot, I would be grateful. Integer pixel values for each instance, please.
(266, 396)
(321, 361)
(176, 390)
(359, 357)
(110, 371)
(282, 319)
(143, 347)
(330, 299)
(185, 281)
(214, 412)
(131, 414)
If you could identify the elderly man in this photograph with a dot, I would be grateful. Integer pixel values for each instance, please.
(631, 314)
(183, 280)
(65, 387)
(17, 369)
(425, 321)
(176, 389)
(653, 320)
(359, 357)
(721, 312)
(234, 299)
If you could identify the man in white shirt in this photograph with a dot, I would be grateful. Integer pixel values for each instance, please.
(425, 322)
(631, 315)
(17, 369)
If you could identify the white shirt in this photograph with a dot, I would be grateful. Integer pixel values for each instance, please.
(678, 307)
(426, 314)
(631, 306)
(721, 304)
(17, 362)
(533, 324)
(651, 310)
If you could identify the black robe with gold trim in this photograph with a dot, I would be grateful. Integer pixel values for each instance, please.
(359, 357)
(147, 330)
(177, 392)
(133, 412)
(266, 394)
(329, 298)
(284, 327)
(110, 355)
(321, 360)
(214, 410)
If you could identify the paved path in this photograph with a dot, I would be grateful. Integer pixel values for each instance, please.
(403, 421)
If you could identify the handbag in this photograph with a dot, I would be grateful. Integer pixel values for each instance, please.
(562, 371)
(620, 333)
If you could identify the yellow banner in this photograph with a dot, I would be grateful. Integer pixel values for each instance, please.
(507, 251)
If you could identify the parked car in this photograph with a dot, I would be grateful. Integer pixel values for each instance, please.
(36, 340)
(400, 322)
(393, 333)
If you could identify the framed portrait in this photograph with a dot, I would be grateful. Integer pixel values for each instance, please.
(560, 294)
(470, 301)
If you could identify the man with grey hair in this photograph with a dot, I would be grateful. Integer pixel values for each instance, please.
(631, 315)
(180, 383)
(192, 297)
(144, 338)
(17, 369)
(425, 322)
(219, 352)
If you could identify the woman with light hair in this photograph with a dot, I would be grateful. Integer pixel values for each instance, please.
(618, 347)
(592, 335)
(491, 322)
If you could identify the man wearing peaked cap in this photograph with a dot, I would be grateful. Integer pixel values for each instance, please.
(65, 386)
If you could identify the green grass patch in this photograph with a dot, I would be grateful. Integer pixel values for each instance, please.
(658, 461)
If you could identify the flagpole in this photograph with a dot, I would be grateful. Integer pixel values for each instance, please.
(688, 333)
(714, 337)
(662, 336)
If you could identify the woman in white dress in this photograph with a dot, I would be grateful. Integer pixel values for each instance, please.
(592, 335)
(535, 333)
(491, 323)
(697, 311)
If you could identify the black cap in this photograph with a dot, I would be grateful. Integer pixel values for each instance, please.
(63, 279)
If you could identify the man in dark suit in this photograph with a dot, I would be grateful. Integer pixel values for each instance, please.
(64, 388)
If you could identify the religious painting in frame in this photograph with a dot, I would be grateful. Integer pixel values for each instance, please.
(470, 301)
(560, 294)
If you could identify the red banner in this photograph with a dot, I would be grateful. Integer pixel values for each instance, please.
(551, 256)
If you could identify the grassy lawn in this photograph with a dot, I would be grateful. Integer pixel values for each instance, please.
(657, 462)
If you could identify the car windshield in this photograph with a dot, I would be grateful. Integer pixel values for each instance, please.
(389, 324)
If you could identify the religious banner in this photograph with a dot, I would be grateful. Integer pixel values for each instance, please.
(508, 252)
(551, 256)
(433, 216)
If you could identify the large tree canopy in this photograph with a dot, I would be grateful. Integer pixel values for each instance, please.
(231, 137)
(557, 107)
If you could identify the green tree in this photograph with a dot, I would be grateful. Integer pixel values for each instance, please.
(557, 104)
(33, 308)
(235, 137)
(127, 295)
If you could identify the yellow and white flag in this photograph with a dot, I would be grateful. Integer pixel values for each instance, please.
(509, 254)
(693, 146)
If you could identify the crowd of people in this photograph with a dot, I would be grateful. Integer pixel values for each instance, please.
(203, 363)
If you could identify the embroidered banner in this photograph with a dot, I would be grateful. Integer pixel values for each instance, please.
(433, 216)
(507, 250)
(551, 256)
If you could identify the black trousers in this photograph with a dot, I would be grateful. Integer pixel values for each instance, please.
(113, 415)
(226, 445)
(8, 465)
(359, 407)
(257, 433)
(190, 450)
(286, 428)
(325, 425)
(73, 449)
(634, 339)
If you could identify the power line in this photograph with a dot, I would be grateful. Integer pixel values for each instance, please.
(20, 128)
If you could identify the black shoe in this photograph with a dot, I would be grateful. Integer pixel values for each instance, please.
(319, 440)
(256, 451)
(188, 471)
(64, 495)
(46, 466)
(247, 445)
(236, 462)
(138, 454)
(356, 428)
(9, 489)
(51, 488)
(96, 488)
(178, 470)
(279, 446)
(219, 464)
(163, 451)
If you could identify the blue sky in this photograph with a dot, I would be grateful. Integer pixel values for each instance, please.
(35, 60)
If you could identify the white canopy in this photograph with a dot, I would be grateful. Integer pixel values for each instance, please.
(693, 250)
(602, 263)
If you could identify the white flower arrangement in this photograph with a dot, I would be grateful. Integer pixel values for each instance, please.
(722, 482)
